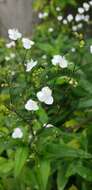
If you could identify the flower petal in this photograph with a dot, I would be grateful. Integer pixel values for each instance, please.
(49, 101)
(40, 96)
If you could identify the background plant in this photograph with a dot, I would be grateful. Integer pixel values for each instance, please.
(55, 149)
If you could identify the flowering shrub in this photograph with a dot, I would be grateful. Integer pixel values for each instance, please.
(46, 102)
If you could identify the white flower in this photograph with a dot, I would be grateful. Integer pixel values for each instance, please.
(91, 49)
(63, 63)
(65, 21)
(60, 60)
(11, 44)
(42, 15)
(80, 10)
(31, 105)
(7, 58)
(27, 44)
(82, 17)
(70, 17)
(74, 28)
(90, 2)
(14, 34)
(45, 95)
(45, 14)
(48, 125)
(44, 56)
(50, 30)
(58, 9)
(79, 17)
(30, 65)
(86, 18)
(13, 73)
(12, 55)
(59, 18)
(17, 133)
(56, 59)
(86, 6)
(80, 25)
(73, 49)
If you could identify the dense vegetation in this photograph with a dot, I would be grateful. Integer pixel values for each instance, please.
(46, 101)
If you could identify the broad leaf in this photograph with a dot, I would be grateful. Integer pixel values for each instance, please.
(20, 159)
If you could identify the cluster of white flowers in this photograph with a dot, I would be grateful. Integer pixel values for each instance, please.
(45, 95)
(17, 133)
(76, 27)
(14, 35)
(42, 15)
(65, 21)
(85, 8)
(60, 61)
(81, 16)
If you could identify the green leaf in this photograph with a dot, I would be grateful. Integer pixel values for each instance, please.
(45, 172)
(85, 103)
(41, 113)
(61, 178)
(78, 168)
(89, 137)
(57, 151)
(42, 174)
(20, 159)
(30, 178)
(5, 165)
(86, 85)
(47, 48)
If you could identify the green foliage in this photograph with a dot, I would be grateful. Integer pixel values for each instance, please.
(55, 151)
(20, 159)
